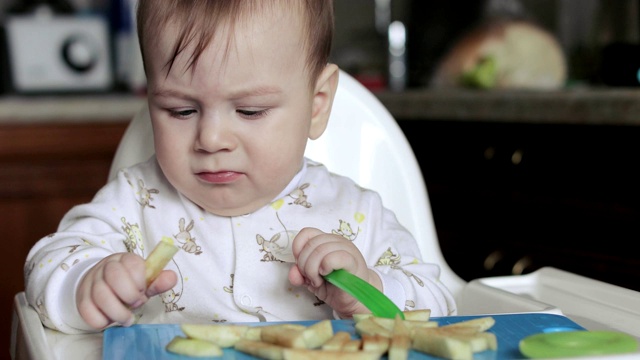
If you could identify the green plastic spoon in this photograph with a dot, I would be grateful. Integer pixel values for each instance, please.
(379, 304)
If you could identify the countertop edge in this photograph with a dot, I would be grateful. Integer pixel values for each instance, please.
(19, 110)
(619, 106)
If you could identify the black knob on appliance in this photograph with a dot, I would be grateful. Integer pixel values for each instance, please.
(79, 53)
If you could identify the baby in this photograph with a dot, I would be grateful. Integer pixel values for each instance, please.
(235, 90)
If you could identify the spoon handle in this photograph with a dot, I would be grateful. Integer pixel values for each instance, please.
(379, 304)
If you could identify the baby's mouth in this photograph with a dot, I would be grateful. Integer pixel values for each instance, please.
(219, 177)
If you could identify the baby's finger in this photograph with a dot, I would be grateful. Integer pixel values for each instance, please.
(302, 238)
(90, 312)
(110, 305)
(136, 266)
(119, 280)
(307, 246)
(166, 280)
(311, 259)
(338, 258)
(320, 246)
(295, 277)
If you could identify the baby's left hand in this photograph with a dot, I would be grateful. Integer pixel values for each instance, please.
(318, 253)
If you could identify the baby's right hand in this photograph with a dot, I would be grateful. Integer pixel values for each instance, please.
(114, 286)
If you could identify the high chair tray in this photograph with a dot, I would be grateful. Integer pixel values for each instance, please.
(149, 341)
(593, 304)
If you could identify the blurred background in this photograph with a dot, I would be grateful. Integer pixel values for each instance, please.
(584, 29)
(592, 34)
(524, 116)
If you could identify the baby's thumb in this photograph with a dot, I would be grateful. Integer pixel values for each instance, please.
(166, 280)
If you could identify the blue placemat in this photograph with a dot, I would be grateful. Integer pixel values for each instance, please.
(149, 341)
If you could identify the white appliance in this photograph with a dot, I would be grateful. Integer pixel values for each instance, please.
(51, 53)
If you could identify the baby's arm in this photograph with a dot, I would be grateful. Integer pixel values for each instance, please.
(65, 277)
(394, 267)
(318, 253)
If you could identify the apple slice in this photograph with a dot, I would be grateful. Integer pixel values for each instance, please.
(286, 335)
(223, 335)
(353, 345)
(443, 346)
(375, 343)
(337, 341)
(370, 327)
(479, 324)
(193, 347)
(311, 354)
(317, 334)
(417, 315)
(456, 341)
(400, 341)
(159, 258)
(260, 349)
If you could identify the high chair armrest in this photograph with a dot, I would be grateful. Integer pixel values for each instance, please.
(28, 339)
(31, 340)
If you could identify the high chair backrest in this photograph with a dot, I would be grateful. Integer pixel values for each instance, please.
(362, 141)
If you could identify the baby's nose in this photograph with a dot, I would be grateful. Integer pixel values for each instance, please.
(215, 134)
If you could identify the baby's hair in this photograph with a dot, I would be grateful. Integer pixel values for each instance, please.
(198, 21)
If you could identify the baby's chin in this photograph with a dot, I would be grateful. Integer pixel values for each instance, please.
(234, 209)
(237, 199)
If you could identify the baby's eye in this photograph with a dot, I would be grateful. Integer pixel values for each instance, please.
(182, 113)
(252, 114)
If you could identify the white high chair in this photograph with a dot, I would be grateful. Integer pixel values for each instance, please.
(364, 142)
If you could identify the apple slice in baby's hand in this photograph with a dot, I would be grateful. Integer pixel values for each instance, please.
(159, 258)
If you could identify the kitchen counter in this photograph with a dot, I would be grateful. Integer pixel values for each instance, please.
(579, 106)
(619, 106)
(68, 109)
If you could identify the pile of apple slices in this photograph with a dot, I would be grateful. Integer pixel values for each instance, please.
(453, 341)
(378, 337)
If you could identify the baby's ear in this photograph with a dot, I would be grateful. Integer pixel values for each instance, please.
(324, 92)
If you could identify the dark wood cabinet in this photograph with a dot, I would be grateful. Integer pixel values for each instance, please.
(509, 197)
(45, 169)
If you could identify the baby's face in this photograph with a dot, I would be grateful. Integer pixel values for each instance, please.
(231, 134)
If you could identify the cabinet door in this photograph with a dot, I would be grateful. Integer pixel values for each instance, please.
(511, 198)
(44, 171)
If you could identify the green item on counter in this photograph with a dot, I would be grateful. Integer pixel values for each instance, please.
(484, 75)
